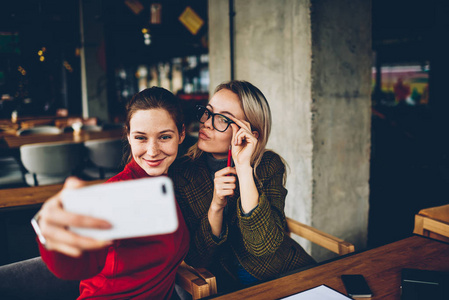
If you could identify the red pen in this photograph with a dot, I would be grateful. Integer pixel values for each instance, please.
(229, 156)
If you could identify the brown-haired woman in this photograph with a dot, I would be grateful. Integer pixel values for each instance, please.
(137, 268)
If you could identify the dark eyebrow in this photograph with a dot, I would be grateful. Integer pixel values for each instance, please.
(138, 132)
(167, 130)
(144, 133)
(222, 112)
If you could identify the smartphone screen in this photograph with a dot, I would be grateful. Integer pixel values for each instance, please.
(356, 285)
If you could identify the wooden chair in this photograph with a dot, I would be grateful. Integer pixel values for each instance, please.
(319, 237)
(197, 282)
(201, 283)
(433, 222)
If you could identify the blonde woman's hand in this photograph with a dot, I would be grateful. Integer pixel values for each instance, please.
(54, 222)
(224, 186)
(244, 142)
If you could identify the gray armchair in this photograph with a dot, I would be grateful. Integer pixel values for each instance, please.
(50, 163)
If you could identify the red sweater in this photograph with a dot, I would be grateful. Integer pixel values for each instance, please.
(137, 268)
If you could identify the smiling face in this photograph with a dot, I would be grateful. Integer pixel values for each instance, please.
(212, 141)
(154, 140)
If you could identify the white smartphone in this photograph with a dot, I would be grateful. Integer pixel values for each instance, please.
(135, 208)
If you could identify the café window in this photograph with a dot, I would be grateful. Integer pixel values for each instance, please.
(401, 84)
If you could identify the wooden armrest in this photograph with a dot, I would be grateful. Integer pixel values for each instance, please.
(439, 213)
(199, 282)
(209, 278)
(425, 225)
(319, 237)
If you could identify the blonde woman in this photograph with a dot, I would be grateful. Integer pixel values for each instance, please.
(235, 214)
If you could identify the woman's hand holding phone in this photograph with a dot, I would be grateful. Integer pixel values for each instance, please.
(54, 222)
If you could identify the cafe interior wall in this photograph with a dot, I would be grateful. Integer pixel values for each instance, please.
(311, 59)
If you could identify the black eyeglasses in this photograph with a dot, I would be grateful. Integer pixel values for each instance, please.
(219, 121)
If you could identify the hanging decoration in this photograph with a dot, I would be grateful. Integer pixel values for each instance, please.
(135, 6)
(191, 20)
(156, 13)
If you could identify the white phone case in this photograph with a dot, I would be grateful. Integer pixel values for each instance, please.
(135, 208)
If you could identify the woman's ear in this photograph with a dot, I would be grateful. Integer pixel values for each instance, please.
(256, 134)
(182, 134)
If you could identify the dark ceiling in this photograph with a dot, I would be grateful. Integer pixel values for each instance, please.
(403, 30)
(55, 23)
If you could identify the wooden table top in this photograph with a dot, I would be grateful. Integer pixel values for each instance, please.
(19, 197)
(381, 268)
(14, 141)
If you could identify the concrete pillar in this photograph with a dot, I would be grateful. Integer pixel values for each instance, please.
(219, 49)
(341, 130)
(312, 60)
(94, 62)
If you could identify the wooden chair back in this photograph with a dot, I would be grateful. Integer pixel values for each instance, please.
(319, 237)
(433, 222)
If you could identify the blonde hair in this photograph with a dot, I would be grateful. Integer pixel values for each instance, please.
(257, 112)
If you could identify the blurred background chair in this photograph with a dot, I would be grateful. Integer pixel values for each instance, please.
(433, 222)
(87, 127)
(79, 127)
(113, 126)
(11, 174)
(51, 163)
(39, 130)
(104, 158)
(200, 283)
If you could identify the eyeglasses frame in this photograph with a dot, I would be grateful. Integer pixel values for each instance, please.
(211, 114)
